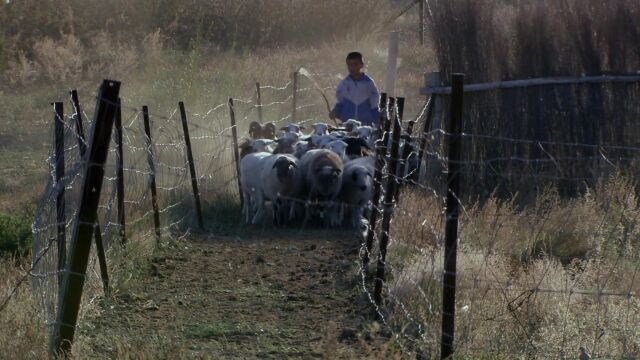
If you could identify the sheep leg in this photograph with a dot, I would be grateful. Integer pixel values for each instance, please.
(259, 208)
(307, 211)
(246, 206)
(356, 215)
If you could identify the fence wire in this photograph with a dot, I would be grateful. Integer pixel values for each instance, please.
(212, 147)
(548, 251)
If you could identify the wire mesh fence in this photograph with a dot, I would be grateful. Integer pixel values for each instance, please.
(547, 250)
(160, 156)
(547, 240)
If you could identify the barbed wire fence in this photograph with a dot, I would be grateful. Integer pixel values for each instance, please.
(546, 246)
(148, 189)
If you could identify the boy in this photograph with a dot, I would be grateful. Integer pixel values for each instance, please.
(357, 95)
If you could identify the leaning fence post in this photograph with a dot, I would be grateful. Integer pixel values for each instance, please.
(294, 100)
(236, 154)
(192, 165)
(120, 175)
(381, 150)
(152, 172)
(387, 206)
(82, 146)
(75, 271)
(259, 102)
(454, 146)
(61, 219)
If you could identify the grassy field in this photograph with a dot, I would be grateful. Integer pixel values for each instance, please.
(537, 280)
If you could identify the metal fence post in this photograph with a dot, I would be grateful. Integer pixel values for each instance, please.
(387, 206)
(236, 154)
(454, 146)
(61, 219)
(381, 151)
(192, 165)
(120, 175)
(75, 271)
(152, 169)
(82, 146)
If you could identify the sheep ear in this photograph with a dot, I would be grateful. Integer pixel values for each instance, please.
(293, 164)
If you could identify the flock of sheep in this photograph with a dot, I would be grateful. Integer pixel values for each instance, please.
(326, 174)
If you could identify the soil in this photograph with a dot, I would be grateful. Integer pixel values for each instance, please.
(277, 295)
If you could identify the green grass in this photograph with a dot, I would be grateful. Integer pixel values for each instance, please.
(217, 330)
(15, 234)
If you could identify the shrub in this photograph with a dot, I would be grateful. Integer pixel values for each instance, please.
(15, 234)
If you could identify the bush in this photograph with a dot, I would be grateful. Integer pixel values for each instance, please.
(15, 234)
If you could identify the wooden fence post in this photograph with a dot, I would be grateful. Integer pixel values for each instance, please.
(422, 143)
(152, 169)
(381, 151)
(436, 123)
(454, 145)
(61, 218)
(75, 271)
(236, 154)
(259, 102)
(387, 206)
(294, 100)
(192, 165)
(82, 147)
(120, 175)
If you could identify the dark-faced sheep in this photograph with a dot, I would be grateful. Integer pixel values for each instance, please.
(266, 131)
(322, 171)
(279, 177)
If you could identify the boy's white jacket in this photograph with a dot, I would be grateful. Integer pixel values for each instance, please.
(357, 99)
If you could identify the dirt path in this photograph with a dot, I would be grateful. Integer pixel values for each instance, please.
(271, 296)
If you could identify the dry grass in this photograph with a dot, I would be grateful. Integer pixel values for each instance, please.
(204, 54)
(569, 250)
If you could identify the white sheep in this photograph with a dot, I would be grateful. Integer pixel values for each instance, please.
(320, 129)
(357, 187)
(339, 147)
(279, 177)
(252, 185)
